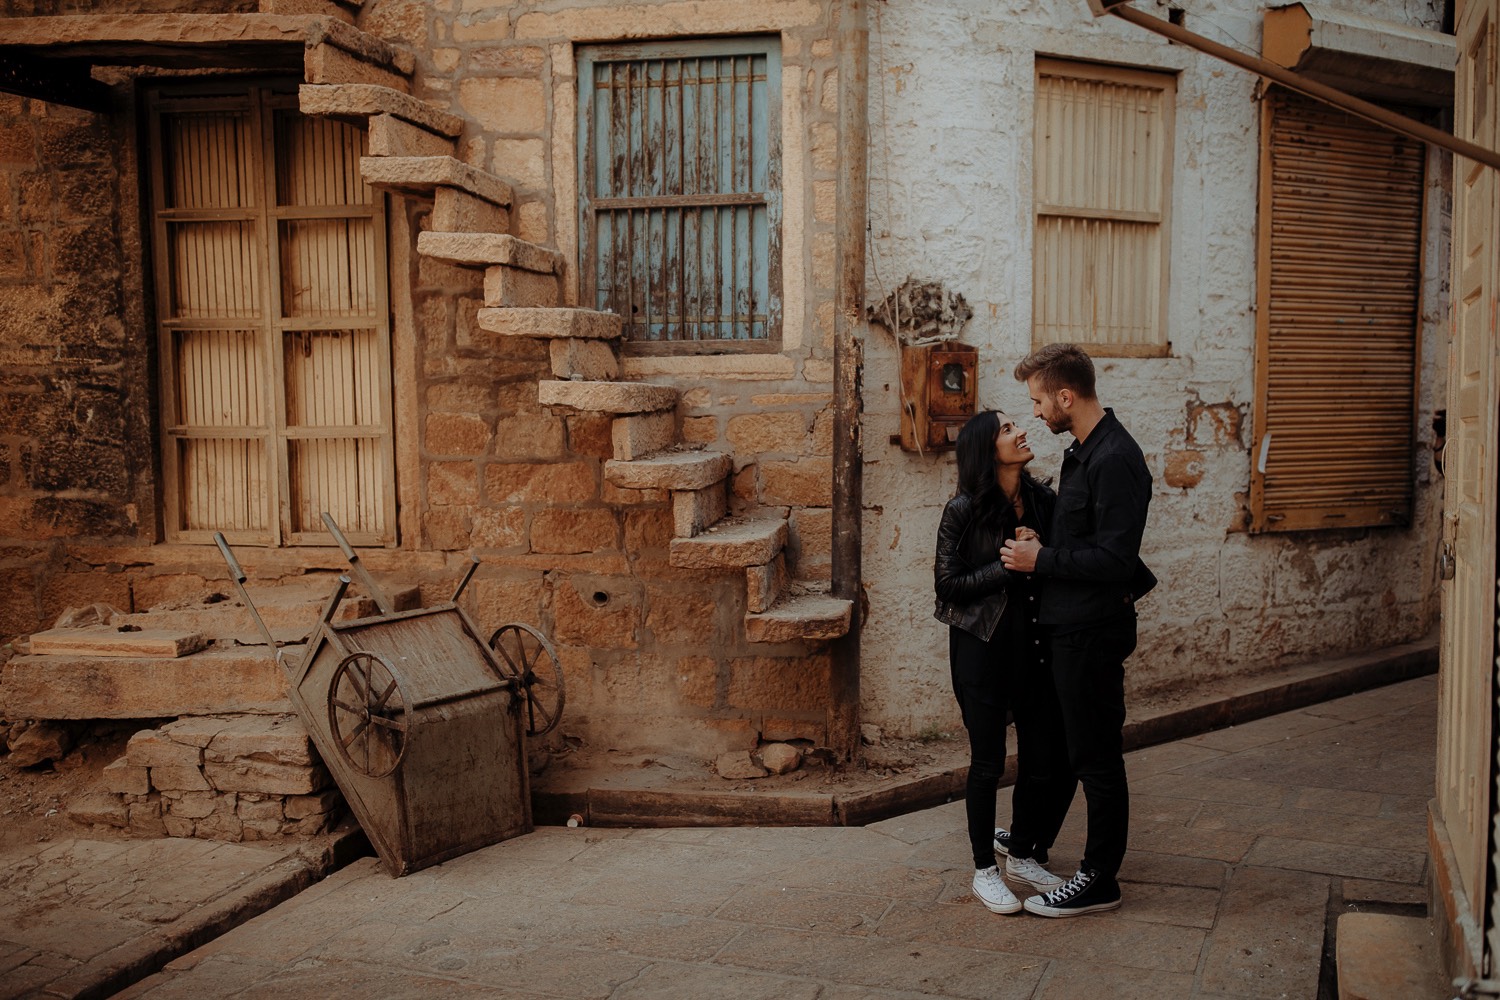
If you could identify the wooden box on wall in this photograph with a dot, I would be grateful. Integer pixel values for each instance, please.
(939, 393)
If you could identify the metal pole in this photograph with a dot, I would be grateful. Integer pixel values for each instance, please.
(848, 320)
(1312, 88)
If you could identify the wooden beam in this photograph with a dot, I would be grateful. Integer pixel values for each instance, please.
(57, 81)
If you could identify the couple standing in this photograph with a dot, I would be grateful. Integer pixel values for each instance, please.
(1038, 589)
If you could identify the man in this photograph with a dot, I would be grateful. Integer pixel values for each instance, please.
(1092, 574)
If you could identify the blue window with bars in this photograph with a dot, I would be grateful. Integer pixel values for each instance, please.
(680, 192)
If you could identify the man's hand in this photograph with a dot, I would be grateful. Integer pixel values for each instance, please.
(1020, 556)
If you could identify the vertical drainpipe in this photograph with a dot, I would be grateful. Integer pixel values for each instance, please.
(848, 364)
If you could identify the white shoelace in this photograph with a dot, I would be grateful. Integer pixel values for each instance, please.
(1078, 881)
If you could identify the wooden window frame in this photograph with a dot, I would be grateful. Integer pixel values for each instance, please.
(262, 99)
(768, 46)
(1349, 511)
(1165, 82)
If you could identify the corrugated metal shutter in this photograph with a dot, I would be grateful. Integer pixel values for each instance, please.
(271, 297)
(1103, 182)
(1340, 263)
(680, 194)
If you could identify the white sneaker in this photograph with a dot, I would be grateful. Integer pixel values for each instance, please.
(1030, 873)
(990, 890)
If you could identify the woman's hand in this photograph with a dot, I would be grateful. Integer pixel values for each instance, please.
(1025, 534)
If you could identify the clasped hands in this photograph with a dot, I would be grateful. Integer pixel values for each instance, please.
(1019, 554)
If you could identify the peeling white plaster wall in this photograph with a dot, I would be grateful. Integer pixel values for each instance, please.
(950, 197)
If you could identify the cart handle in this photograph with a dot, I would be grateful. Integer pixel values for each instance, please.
(468, 575)
(239, 578)
(386, 607)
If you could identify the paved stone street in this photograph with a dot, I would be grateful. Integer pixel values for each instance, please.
(1241, 841)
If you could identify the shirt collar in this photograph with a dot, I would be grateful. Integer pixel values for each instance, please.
(1102, 429)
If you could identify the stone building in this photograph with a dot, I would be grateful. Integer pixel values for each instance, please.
(559, 283)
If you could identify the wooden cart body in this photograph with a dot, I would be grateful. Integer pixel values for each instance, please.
(462, 780)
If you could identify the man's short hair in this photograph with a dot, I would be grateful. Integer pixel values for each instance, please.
(1059, 366)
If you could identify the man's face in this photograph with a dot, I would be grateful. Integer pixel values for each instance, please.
(1048, 407)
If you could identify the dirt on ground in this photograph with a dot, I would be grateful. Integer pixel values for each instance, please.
(33, 800)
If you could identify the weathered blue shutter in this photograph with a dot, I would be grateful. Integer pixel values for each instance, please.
(680, 150)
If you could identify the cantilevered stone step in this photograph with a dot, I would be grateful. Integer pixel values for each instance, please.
(419, 175)
(356, 101)
(606, 397)
(731, 545)
(552, 324)
(809, 617)
(680, 470)
(80, 687)
(486, 249)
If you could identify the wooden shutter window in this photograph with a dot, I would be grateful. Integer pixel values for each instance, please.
(1339, 273)
(680, 192)
(1103, 168)
(270, 261)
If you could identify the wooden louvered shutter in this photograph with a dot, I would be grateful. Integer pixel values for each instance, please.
(680, 192)
(273, 322)
(1339, 287)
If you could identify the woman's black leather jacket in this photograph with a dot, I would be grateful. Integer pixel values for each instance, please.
(968, 576)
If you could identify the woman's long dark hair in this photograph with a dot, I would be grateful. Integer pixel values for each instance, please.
(976, 468)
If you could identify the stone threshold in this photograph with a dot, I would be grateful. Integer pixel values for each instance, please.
(1214, 706)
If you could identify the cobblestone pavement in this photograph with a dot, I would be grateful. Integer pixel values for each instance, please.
(1241, 841)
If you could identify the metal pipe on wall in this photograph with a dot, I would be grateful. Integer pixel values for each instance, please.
(848, 363)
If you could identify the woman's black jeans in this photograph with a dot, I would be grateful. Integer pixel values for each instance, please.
(990, 678)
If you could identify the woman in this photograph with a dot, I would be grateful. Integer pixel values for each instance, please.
(998, 657)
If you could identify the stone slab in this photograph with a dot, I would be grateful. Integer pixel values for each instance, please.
(550, 324)
(637, 435)
(1268, 940)
(485, 249)
(736, 544)
(606, 397)
(810, 617)
(693, 511)
(508, 287)
(391, 136)
(108, 641)
(213, 681)
(1381, 956)
(455, 211)
(594, 360)
(327, 64)
(763, 584)
(683, 470)
(419, 175)
(355, 101)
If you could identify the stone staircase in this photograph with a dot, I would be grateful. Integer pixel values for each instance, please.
(412, 148)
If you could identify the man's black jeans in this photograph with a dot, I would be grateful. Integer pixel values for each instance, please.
(1088, 665)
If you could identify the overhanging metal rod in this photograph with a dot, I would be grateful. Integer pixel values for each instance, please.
(1318, 91)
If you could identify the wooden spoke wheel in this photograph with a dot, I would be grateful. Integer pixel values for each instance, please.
(367, 714)
(530, 658)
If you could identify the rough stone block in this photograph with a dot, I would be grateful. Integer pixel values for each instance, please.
(571, 531)
(808, 618)
(31, 743)
(192, 805)
(786, 728)
(106, 641)
(685, 615)
(156, 748)
(508, 287)
(551, 323)
(806, 482)
(778, 682)
(506, 105)
(455, 211)
(763, 584)
(779, 758)
(280, 739)
(178, 779)
(355, 101)
(266, 777)
(390, 136)
(178, 826)
(685, 470)
(752, 542)
(737, 765)
(602, 612)
(695, 510)
(330, 65)
(260, 809)
(125, 778)
(591, 360)
(526, 482)
(318, 8)
(420, 175)
(196, 731)
(103, 808)
(456, 435)
(641, 434)
(321, 804)
(698, 680)
(221, 826)
(487, 250)
(759, 433)
(607, 397)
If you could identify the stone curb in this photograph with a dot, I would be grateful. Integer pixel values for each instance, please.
(122, 966)
(1254, 698)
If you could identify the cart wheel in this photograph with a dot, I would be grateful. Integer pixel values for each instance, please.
(367, 714)
(533, 661)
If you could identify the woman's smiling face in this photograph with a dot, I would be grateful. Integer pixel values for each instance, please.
(1010, 443)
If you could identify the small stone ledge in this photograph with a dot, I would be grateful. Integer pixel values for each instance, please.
(811, 617)
(355, 101)
(550, 324)
(682, 470)
(733, 545)
(419, 175)
(607, 397)
(486, 249)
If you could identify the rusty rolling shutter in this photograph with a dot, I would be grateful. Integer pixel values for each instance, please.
(1340, 264)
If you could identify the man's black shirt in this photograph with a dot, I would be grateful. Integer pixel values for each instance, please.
(1093, 552)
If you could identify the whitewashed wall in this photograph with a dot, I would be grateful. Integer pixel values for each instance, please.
(950, 195)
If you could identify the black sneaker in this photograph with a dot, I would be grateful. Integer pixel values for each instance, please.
(1085, 892)
(1003, 846)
